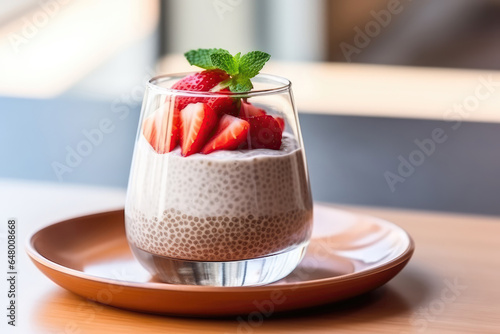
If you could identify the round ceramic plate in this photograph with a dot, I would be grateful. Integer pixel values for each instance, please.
(349, 254)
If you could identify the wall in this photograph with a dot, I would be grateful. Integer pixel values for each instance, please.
(347, 156)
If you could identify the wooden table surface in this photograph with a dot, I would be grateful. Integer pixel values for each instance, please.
(451, 285)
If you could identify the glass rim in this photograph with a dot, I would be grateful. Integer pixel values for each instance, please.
(282, 85)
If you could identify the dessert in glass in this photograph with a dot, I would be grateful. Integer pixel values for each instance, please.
(218, 191)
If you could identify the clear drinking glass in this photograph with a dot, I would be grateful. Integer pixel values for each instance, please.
(228, 218)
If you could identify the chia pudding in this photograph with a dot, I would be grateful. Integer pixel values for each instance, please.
(223, 206)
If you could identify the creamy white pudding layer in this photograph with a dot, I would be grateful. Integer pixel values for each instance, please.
(227, 205)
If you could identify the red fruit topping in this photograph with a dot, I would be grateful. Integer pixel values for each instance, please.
(249, 110)
(169, 132)
(281, 122)
(203, 82)
(265, 132)
(231, 133)
(161, 129)
(149, 130)
(224, 105)
(197, 122)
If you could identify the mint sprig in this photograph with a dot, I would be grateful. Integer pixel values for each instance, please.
(240, 68)
(225, 62)
(201, 57)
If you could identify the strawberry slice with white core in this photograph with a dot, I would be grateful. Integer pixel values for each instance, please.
(249, 110)
(197, 122)
(168, 136)
(161, 129)
(231, 132)
(149, 130)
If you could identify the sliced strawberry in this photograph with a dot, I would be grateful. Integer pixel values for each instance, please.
(203, 82)
(149, 130)
(197, 123)
(161, 129)
(231, 133)
(265, 132)
(224, 105)
(281, 122)
(249, 110)
(168, 134)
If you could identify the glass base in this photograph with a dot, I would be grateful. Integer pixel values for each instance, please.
(259, 271)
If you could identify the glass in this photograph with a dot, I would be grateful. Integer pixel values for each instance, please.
(227, 218)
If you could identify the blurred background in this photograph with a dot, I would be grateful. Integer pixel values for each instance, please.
(373, 80)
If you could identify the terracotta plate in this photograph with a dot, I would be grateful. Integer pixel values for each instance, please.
(349, 254)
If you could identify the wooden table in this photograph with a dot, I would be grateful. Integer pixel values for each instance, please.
(450, 285)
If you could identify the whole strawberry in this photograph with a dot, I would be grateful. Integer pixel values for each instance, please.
(205, 81)
(236, 70)
(223, 73)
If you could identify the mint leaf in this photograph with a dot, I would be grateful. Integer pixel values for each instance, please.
(240, 85)
(225, 62)
(252, 62)
(237, 57)
(201, 57)
(240, 68)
